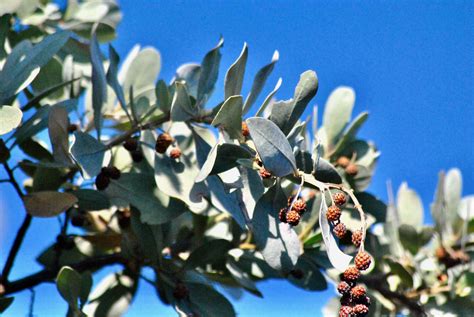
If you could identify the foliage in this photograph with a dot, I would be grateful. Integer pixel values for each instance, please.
(197, 190)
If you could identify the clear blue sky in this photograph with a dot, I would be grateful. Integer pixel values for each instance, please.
(410, 62)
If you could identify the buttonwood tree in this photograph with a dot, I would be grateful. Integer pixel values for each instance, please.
(156, 174)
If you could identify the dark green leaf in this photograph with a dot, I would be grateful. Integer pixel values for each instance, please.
(90, 154)
(69, 283)
(312, 279)
(25, 61)
(99, 83)
(89, 199)
(409, 238)
(208, 302)
(325, 172)
(235, 76)
(36, 150)
(112, 79)
(39, 120)
(373, 205)
(272, 146)
(58, 123)
(211, 252)
(140, 191)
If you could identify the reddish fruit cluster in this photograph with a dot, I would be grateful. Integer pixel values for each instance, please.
(354, 300)
(291, 214)
(245, 129)
(264, 173)
(103, 178)
(163, 142)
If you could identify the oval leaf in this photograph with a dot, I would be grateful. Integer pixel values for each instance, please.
(10, 118)
(48, 203)
(90, 154)
(272, 146)
(337, 112)
(409, 207)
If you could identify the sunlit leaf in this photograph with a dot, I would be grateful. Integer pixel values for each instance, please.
(234, 77)
(10, 118)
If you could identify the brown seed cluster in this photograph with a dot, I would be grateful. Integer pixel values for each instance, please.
(354, 300)
(293, 212)
(131, 145)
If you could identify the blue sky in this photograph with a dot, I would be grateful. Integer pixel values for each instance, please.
(410, 63)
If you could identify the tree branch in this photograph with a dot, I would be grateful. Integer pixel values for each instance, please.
(21, 232)
(47, 275)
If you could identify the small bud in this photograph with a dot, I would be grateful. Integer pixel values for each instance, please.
(102, 181)
(245, 129)
(343, 161)
(282, 214)
(111, 171)
(352, 169)
(175, 153)
(72, 128)
(163, 142)
(265, 173)
(130, 144)
(123, 218)
(78, 220)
